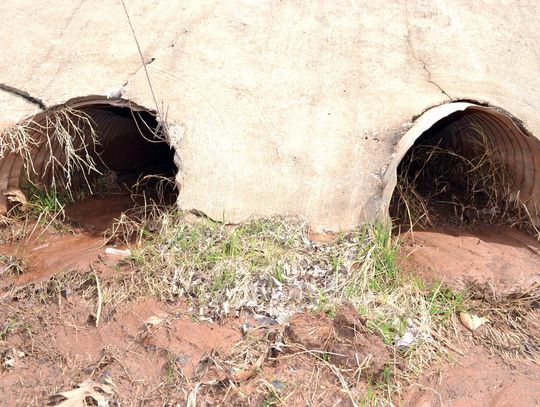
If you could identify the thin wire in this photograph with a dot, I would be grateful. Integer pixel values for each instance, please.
(142, 60)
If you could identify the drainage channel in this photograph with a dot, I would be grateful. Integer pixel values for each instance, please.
(82, 165)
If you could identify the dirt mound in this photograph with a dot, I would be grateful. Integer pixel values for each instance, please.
(479, 380)
(345, 339)
(505, 257)
(314, 360)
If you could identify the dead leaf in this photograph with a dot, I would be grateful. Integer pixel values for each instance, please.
(17, 196)
(87, 389)
(470, 321)
(153, 320)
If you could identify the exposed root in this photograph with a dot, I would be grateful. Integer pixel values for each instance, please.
(70, 141)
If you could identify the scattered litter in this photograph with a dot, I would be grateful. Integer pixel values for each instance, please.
(470, 321)
(277, 291)
(118, 252)
(78, 397)
(409, 336)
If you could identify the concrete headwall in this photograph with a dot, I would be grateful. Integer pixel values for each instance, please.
(274, 107)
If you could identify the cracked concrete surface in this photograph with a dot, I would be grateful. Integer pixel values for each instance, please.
(284, 107)
(23, 94)
(415, 56)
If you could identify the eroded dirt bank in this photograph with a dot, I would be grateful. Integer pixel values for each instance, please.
(478, 379)
(502, 260)
(506, 258)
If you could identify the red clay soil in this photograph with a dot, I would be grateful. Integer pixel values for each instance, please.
(479, 380)
(47, 252)
(153, 353)
(62, 348)
(89, 214)
(156, 354)
(507, 258)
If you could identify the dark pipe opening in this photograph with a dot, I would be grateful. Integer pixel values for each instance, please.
(132, 152)
(469, 168)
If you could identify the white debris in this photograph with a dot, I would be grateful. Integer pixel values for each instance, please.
(114, 93)
(409, 336)
(117, 252)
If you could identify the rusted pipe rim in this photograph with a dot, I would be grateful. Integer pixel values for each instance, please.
(126, 140)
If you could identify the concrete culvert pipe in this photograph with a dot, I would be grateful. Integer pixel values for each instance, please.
(73, 145)
(465, 163)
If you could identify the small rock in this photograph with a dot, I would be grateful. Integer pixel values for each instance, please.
(278, 385)
(470, 321)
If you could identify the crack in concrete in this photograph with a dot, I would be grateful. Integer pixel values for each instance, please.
(23, 94)
(418, 59)
(430, 79)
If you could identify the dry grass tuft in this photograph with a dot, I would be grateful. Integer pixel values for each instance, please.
(438, 184)
(513, 320)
